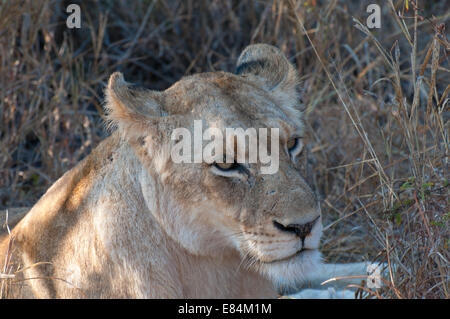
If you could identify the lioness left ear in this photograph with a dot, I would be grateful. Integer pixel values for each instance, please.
(131, 109)
(268, 66)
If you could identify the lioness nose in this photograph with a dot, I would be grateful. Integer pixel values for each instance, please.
(301, 230)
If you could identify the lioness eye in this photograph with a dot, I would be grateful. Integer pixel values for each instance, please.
(295, 146)
(226, 166)
(291, 143)
(228, 169)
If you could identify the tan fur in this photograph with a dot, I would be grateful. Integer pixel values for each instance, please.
(128, 222)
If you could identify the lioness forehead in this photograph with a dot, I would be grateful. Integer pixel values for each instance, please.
(228, 100)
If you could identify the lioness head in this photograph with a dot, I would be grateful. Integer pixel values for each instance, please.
(215, 209)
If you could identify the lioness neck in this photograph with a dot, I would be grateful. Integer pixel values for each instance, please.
(99, 226)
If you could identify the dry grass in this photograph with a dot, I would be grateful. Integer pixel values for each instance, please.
(376, 105)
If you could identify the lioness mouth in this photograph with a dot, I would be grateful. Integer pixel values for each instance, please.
(298, 253)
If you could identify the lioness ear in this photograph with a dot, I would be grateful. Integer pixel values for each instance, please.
(128, 108)
(268, 66)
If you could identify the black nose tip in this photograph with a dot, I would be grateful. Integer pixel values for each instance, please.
(301, 230)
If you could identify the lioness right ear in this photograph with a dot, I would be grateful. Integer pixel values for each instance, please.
(268, 66)
(131, 109)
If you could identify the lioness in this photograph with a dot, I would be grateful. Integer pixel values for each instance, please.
(129, 222)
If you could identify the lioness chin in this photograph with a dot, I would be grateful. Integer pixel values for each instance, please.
(128, 221)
